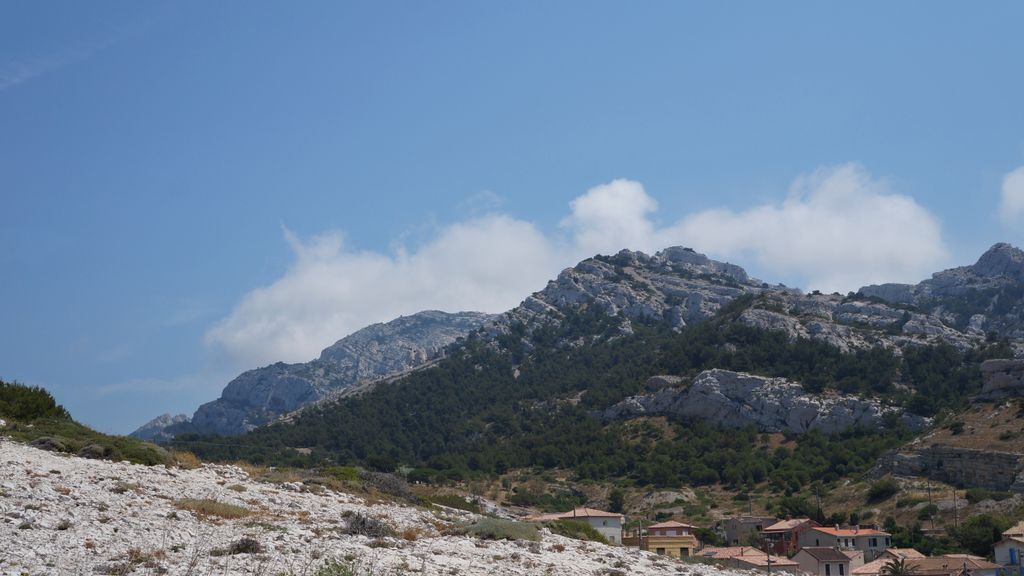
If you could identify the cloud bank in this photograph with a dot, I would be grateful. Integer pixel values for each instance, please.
(1011, 207)
(837, 229)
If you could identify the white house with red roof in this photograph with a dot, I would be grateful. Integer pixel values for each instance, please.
(608, 524)
(868, 540)
(1009, 550)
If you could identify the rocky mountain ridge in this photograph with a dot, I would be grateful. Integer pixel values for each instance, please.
(682, 287)
(678, 286)
(260, 396)
(987, 296)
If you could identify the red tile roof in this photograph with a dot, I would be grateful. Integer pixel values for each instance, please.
(577, 513)
(670, 524)
(848, 532)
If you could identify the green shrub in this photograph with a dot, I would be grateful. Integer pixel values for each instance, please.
(975, 495)
(21, 402)
(576, 529)
(454, 501)
(883, 489)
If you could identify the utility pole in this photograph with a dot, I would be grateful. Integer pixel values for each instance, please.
(817, 498)
(956, 513)
(929, 484)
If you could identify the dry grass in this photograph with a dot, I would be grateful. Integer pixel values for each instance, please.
(185, 460)
(205, 507)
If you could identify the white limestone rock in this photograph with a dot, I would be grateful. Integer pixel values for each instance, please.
(737, 399)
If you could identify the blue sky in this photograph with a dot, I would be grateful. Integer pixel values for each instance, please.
(191, 189)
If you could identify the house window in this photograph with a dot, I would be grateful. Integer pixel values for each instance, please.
(684, 552)
(840, 570)
(874, 542)
(816, 542)
(828, 570)
(1013, 555)
(611, 539)
(604, 523)
(660, 551)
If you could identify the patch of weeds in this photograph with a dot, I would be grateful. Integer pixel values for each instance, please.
(246, 545)
(362, 525)
(236, 488)
(267, 526)
(64, 524)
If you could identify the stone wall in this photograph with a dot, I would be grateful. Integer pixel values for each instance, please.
(966, 467)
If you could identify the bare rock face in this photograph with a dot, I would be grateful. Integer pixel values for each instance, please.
(155, 429)
(260, 396)
(1003, 378)
(736, 399)
(676, 284)
(987, 296)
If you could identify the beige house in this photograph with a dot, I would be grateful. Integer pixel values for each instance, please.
(670, 538)
(822, 561)
(608, 524)
(874, 568)
(738, 530)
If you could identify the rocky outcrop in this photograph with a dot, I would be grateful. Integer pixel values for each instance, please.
(966, 467)
(683, 287)
(156, 429)
(772, 404)
(987, 296)
(677, 285)
(260, 396)
(1003, 378)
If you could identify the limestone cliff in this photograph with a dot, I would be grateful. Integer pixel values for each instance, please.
(772, 404)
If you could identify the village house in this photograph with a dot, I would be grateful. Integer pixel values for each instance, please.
(668, 538)
(608, 524)
(823, 561)
(746, 529)
(868, 540)
(1008, 550)
(952, 565)
(783, 537)
(749, 558)
(875, 567)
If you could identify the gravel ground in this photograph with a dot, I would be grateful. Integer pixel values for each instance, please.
(67, 515)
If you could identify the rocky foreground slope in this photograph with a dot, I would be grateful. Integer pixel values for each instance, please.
(63, 515)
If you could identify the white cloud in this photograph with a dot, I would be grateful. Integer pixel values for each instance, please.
(837, 229)
(489, 264)
(1011, 208)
